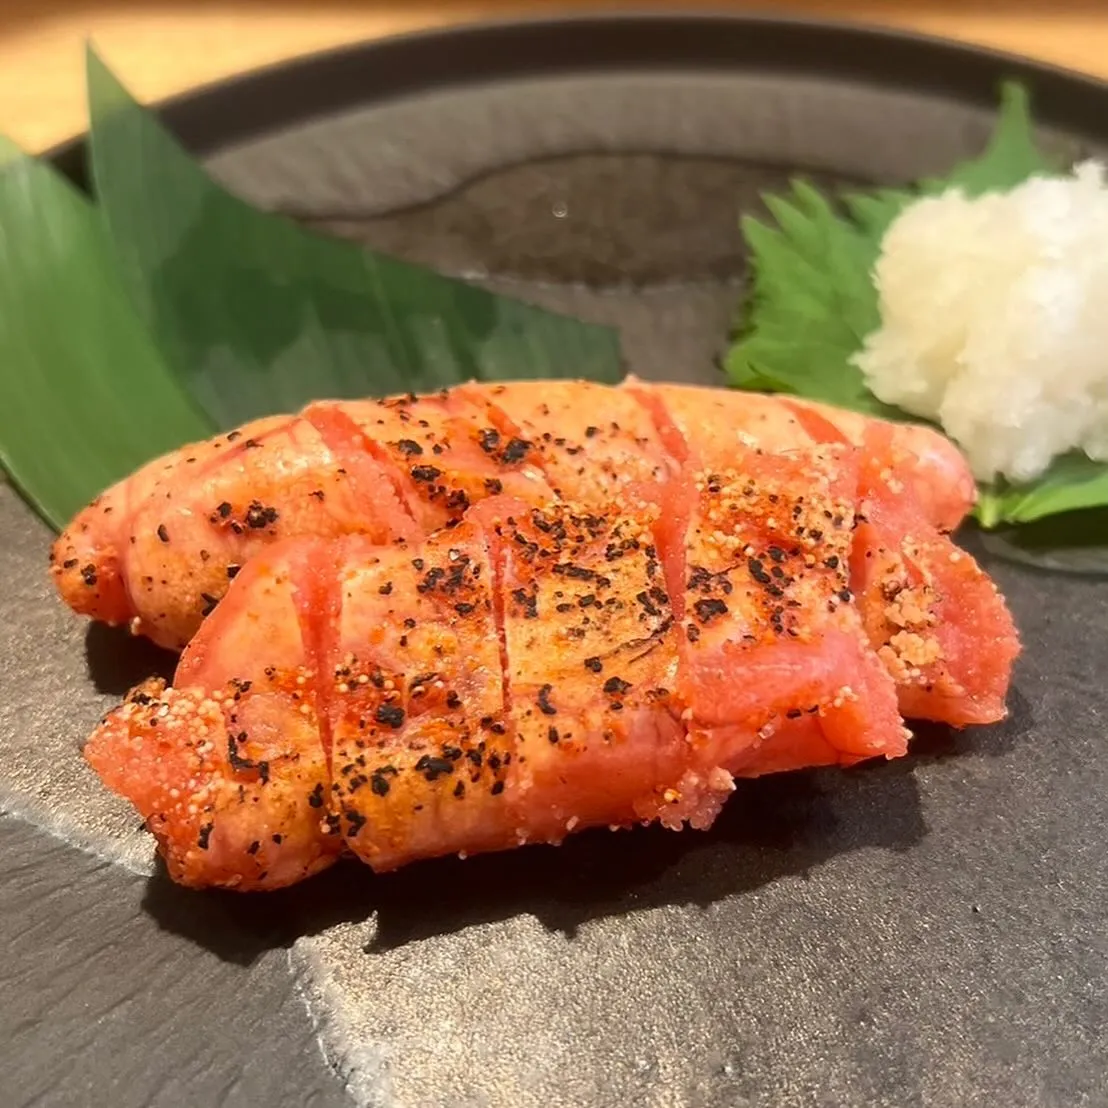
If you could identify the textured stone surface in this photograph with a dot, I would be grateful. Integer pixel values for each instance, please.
(925, 932)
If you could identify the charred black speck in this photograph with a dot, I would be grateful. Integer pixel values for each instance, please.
(616, 686)
(543, 700)
(515, 451)
(390, 715)
(527, 601)
(258, 515)
(433, 768)
(758, 571)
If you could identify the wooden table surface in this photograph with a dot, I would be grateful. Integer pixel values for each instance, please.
(159, 47)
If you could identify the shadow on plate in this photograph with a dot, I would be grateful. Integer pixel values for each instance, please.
(118, 660)
(772, 828)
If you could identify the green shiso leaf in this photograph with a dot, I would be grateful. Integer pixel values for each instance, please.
(1073, 482)
(84, 394)
(812, 303)
(1011, 157)
(811, 307)
(258, 315)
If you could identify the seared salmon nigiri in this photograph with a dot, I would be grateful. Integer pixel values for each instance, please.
(533, 670)
(159, 549)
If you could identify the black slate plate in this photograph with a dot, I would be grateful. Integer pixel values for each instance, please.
(925, 932)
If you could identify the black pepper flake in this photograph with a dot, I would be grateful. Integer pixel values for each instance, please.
(278, 838)
(493, 486)
(579, 573)
(586, 601)
(497, 789)
(315, 797)
(457, 501)
(543, 700)
(163, 534)
(515, 451)
(594, 664)
(259, 515)
(205, 835)
(254, 847)
(552, 734)
(232, 435)
(433, 768)
(460, 789)
(832, 562)
(758, 571)
(425, 473)
(389, 715)
(616, 686)
(210, 603)
(528, 602)
(232, 572)
(453, 700)
(409, 623)
(692, 632)
(409, 447)
(708, 609)
(489, 439)
(69, 563)
(356, 821)
(318, 494)
(385, 589)
(224, 510)
(431, 580)
(379, 783)
(793, 713)
(845, 595)
(591, 431)
(88, 574)
(464, 608)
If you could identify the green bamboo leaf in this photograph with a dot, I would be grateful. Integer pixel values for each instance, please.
(258, 315)
(85, 397)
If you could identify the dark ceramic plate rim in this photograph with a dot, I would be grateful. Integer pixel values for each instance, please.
(266, 100)
(316, 85)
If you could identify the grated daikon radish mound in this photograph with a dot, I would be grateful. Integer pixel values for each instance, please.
(995, 321)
